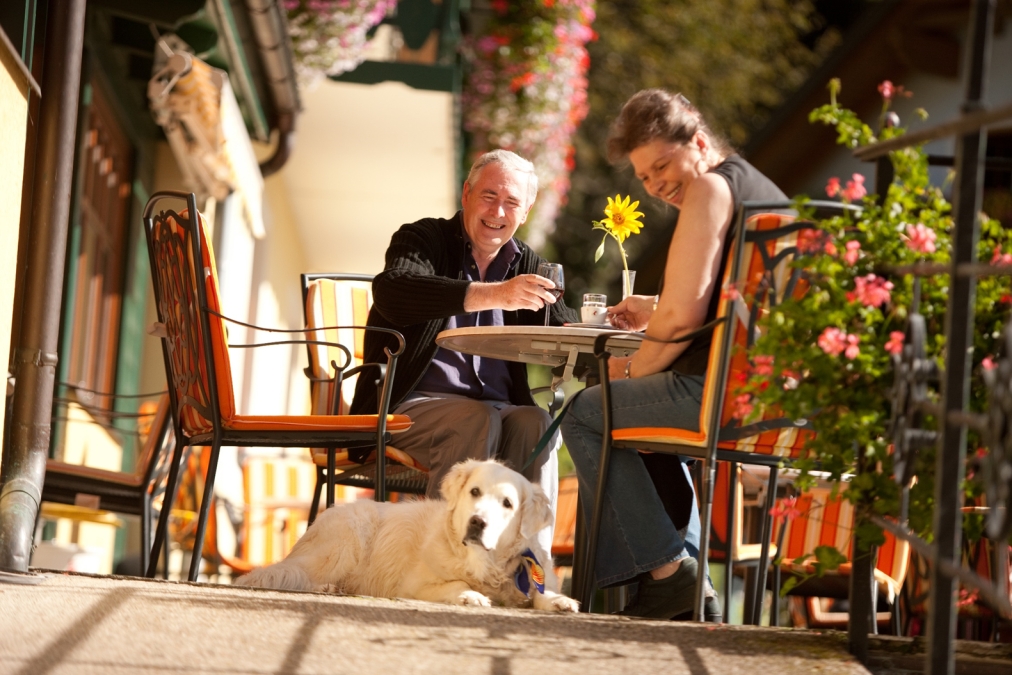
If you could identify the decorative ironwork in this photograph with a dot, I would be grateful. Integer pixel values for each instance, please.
(913, 371)
(996, 465)
(178, 310)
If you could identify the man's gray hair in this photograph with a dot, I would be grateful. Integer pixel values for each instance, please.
(511, 161)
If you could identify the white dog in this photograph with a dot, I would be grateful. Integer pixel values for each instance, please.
(476, 546)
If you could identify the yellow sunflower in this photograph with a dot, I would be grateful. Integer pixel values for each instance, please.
(622, 218)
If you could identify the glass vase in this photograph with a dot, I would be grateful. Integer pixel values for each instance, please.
(628, 283)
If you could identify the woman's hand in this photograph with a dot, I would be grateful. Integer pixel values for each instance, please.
(616, 368)
(633, 313)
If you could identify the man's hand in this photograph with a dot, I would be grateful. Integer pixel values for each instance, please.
(633, 313)
(525, 291)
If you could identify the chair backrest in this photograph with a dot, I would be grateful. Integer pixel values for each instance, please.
(766, 278)
(196, 375)
(824, 520)
(335, 300)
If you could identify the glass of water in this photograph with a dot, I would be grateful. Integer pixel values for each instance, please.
(594, 309)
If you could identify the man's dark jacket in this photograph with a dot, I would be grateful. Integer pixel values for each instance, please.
(420, 288)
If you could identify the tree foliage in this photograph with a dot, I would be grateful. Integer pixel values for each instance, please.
(734, 59)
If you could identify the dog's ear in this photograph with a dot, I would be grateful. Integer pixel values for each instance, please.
(455, 479)
(537, 512)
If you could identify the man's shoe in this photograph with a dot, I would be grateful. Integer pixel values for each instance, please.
(665, 598)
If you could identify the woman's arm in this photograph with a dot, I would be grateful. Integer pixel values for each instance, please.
(690, 275)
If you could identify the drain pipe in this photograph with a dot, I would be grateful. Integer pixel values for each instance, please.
(35, 357)
(270, 32)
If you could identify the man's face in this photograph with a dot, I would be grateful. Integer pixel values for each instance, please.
(494, 207)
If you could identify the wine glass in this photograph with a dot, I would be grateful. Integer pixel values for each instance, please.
(552, 271)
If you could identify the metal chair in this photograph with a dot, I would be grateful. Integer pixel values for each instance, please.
(760, 271)
(119, 492)
(825, 520)
(195, 351)
(331, 300)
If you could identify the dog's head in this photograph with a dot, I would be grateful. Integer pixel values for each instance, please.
(494, 507)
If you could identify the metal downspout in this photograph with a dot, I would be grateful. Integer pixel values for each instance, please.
(35, 355)
(270, 30)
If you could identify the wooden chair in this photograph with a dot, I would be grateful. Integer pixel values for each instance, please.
(128, 493)
(824, 520)
(759, 274)
(329, 301)
(195, 351)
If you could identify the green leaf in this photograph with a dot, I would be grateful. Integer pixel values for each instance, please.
(789, 583)
(600, 249)
(829, 559)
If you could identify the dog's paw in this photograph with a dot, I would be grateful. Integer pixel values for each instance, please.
(473, 599)
(556, 603)
(329, 588)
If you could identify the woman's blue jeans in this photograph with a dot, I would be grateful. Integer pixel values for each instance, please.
(637, 534)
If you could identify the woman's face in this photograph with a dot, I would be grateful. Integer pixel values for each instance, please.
(666, 169)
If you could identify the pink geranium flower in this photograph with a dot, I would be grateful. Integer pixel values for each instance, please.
(743, 406)
(988, 363)
(833, 186)
(853, 251)
(895, 343)
(815, 241)
(855, 188)
(786, 508)
(763, 365)
(834, 342)
(1000, 258)
(920, 239)
(871, 291)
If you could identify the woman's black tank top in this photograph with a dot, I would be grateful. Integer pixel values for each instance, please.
(747, 184)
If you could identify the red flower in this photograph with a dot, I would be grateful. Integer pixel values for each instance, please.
(887, 90)
(521, 81)
(833, 186)
(786, 508)
(895, 343)
(853, 251)
(500, 6)
(763, 365)
(855, 188)
(920, 238)
(743, 406)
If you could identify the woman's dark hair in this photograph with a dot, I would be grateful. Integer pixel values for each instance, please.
(655, 113)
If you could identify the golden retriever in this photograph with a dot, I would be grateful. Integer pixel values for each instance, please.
(476, 546)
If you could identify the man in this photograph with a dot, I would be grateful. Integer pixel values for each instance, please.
(466, 271)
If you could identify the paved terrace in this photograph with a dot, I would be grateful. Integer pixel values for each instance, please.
(111, 625)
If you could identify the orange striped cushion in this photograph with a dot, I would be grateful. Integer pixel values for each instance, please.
(395, 423)
(342, 461)
(785, 442)
(826, 521)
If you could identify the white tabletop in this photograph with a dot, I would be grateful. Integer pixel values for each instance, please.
(547, 345)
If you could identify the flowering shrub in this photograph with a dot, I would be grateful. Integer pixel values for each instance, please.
(826, 355)
(527, 92)
(329, 36)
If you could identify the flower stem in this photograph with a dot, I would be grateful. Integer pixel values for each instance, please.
(621, 250)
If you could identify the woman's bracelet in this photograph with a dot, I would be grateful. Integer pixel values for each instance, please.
(628, 369)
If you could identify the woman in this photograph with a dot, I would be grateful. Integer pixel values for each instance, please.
(682, 163)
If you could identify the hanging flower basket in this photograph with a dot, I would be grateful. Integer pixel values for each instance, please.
(526, 91)
(329, 36)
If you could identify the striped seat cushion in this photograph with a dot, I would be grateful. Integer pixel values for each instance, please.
(278, 492)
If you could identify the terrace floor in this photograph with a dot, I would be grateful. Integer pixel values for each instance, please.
(72, 623)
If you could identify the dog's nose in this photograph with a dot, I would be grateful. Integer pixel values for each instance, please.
(476, 525)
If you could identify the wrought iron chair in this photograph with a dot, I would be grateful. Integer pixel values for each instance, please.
(195, 351)
(329, 301)
(119, 492)
(760, 269)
